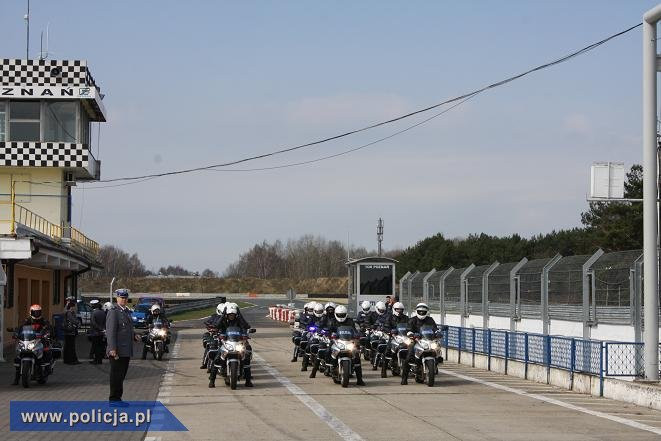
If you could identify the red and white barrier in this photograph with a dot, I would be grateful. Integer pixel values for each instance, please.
(282, 314)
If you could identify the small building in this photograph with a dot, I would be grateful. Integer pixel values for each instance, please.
(371, 279)
(47, 108)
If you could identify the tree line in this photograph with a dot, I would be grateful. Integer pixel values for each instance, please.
(307, 257)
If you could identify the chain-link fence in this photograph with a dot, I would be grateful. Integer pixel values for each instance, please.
(598, 288)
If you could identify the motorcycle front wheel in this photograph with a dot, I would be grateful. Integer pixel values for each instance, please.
(234, 375)
(431, 372)
(26, 372)
(345, 372)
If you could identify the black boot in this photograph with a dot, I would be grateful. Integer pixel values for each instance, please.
(359, 376)
(17, 375)
(212, 377)
(405, 374)
(315, 368)
(248, 374)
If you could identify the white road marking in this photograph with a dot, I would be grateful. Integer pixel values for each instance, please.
(617, 419)
(331, 420)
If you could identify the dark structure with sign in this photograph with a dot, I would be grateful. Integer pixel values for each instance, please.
(370, 278)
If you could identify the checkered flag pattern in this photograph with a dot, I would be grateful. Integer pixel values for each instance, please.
(15, 72)
(43, 154)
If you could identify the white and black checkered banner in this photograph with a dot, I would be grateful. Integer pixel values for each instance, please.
(15, 72)
(43, 154)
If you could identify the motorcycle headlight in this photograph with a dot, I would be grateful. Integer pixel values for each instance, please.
(21, 345)
(434, 346)
(30, 345)
(350, 346)
(240, 347)
(340, 345)
(229, 346)
(424, 345)
(162, 332)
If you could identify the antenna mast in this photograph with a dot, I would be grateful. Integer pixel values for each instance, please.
(26, 17)
(379, 234)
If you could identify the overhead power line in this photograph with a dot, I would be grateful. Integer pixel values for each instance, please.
(375, 125)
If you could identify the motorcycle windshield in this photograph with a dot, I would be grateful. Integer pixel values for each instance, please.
(234, 333)
(402, 328)
(427, 332)
(345, 333)
(27, 333)
(158, 324)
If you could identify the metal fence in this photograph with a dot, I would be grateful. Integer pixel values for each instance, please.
(576, 355)
(597, 288)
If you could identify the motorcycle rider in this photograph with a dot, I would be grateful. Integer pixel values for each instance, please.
(42, 327)
(328, 315)
(396, 317)
(301, 322)
(232, 317)
(341, 318)
(210, 324)
(417, 322)
(364, 313)
(381, 315)
(155, 314)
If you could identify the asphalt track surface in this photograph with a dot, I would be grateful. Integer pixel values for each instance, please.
(465, 404)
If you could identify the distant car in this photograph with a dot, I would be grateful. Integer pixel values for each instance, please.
(139, 315)
(151, 300)
(84, 313)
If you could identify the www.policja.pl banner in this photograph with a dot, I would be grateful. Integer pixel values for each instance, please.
(66, 416)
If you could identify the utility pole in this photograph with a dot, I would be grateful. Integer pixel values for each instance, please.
(379, 235)
(650, 196)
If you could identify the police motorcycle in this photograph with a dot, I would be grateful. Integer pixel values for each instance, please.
(300, 337)
(378, 345)
(317, 348)
(343, 351)
(34, 364)
(154, 340)
(427, 355)
(234, 352)
(398, 351)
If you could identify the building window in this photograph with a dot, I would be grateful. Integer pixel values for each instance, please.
(60, 121)
(3, 121)
(25, 121)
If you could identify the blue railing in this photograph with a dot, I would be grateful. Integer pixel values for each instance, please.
(594, 357)
(567, 353)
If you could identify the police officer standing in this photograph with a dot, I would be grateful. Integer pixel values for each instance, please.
(97, 332)
(120, 336)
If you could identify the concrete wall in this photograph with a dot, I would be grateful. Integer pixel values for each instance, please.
(44, 193)
(600, 331)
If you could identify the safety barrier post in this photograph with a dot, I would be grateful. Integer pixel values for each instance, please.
(605, 365)
(601, 369)
(473, 361)
(572, 363)
(525, 339)
(488, 349)
(548, 358)
(459, 346)
(507, 349)
(446, 337)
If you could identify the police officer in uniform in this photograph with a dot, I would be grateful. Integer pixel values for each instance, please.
(120, 336)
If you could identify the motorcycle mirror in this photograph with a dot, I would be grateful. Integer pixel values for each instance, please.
(10, 329)
(252, 330)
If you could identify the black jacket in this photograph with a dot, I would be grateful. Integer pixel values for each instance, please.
(161, 317)
(239, 321)
(415, 324)
(98, 322)
(40, 325)
(394, 320)
(349, 322)
(211, 321)
(381, 321)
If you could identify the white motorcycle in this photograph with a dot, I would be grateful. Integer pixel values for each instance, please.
(234, 352)
(31, 358)
(427, 356)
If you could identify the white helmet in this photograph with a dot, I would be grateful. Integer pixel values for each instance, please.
(307, 306)
(380, 308)
(366, 306)
(231, 308)
(318, 310)
(421, 310)
(155, 307)
(221, 308)
(329, 305)
(107, 306)
(398, 308)
(341, 313)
